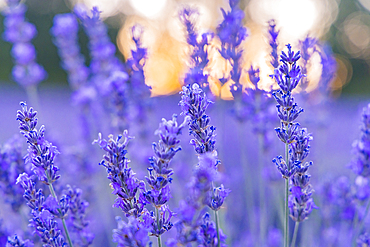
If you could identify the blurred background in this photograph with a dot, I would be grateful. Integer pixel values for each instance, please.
(344, 24)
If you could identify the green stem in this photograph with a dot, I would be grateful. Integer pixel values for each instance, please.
(217, 228)
(295, 234)
(159, 237)
(286, 211)
(52, 191)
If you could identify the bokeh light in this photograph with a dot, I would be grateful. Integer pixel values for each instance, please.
(149, 8)
(354, 35)
(107, 7)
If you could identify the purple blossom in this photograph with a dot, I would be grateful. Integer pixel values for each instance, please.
(308, 47)
(199, 54)
(19, 32)
(77, 217)
(123, 181)
(360, 163)
(232, 33)
(102, 50)
(11, 165)
(133, 233)
(273, 44)
(41, 153)
(16, 241)
(194, 103)
(139, 92)
(329, 67)
(208, 233)
(65, 32)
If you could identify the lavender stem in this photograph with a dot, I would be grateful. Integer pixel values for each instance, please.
(286, 210)
(52, 191)
(296, 226)
(217, 228)
(159, 237)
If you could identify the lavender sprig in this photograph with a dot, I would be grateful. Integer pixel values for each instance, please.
(139, 92)
(42, 219)
(26, 72)
(123, 181)
(102, 50)
(273, 44)
(12, 164)
(231, 34)
(199, 53)
(287, 76)
(41, 154)
(194, 103)
(65, 32)
(308, 48)
(360, 165)
(159, 178)
(16, 241)
(77, 217)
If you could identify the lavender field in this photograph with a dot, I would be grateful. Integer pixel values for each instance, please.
(225, 143)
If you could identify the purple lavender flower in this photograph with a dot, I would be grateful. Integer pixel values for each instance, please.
(194, 103)
(273, 44)
(12, 164)
(42, 219)
(16, 241)
(65, 32)
(199, 55)
(77, 217)
(139, 92)
(208, 233)
(308, 48)
(104, 63)
(27, 72)
(41, 153)
(299, 203)
(231, 34)
(133, 233)
(159, 172)
(288, 75)
(360, 163)
(123, 181)
(329, 67)
(363, 240)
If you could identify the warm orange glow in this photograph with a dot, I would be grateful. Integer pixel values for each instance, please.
(344, 74)
(164, 64)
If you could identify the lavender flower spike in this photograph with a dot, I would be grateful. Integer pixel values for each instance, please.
(159, 178)
(18, 242)
(199, 55)
(41, 153)
(65, 32)
(273, 44)
(294, 168)
(26, 72)
(231, 34)
(194, 103)
(123, 181)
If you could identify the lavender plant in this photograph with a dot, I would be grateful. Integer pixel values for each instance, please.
(159, 179)
(360, 165)
(18, 31)
(199, 49)
(201, 187)
(299, 203)
(41, 155)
